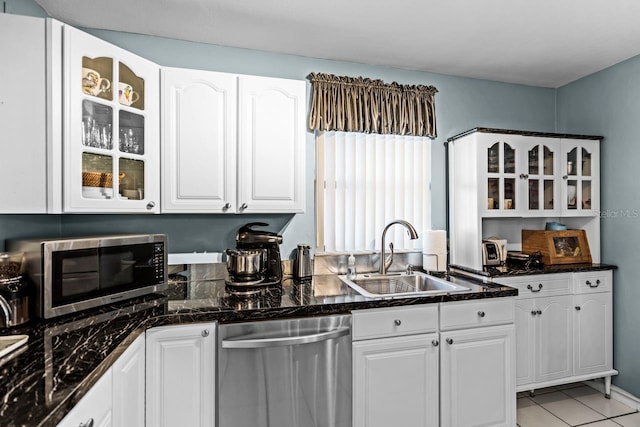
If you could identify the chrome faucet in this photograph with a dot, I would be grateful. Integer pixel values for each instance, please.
(386, 263)
(6, 311)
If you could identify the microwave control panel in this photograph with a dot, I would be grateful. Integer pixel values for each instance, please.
(158, 261)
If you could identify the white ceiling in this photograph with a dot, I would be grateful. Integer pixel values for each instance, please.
(545, 43)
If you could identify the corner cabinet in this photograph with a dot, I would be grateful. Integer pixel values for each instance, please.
(232, 143)
(180, 375)
(496, 174)
(110, 135)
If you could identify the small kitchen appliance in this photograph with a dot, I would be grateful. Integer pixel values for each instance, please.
(494, 252)
(77, 273)
(256, 261)
(302, 263)
(14, 290)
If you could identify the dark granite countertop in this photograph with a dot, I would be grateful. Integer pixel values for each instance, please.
(506, 271)
(43, 380)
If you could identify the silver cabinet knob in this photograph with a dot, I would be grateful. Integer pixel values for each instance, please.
(88, 423)
(205, 333)
(397, 322)
(481, 314)
(578, 308)
(524, 176)
(435, 343)
(564, 177)
(226, 207)
(449, 341)
(151, 205)
(243, 206)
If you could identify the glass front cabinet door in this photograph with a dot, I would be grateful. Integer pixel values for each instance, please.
(538, 172)
(580, 169)
(498, 156)
(111, 128)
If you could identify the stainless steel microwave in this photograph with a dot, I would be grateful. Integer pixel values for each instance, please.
(77, 273)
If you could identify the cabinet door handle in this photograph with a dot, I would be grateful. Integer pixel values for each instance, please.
(539, 312)
(397, 322)
(243, 206)
(88, 423)
(564, 177)
(226, 207)
(578, 308)
(481, 313)
(205, 333)
(435, 343)
(591, 285)
(533, 312)
(524, 176)
(151, 205)
(449, 341)
(536, 290)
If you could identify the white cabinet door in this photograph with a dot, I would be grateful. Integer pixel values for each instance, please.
(23, 146)
(554, 338)
(94, 409)
(395, 381)
(592, 340)
(580, 176)
(198, 141)
(129, 386)
(525, 341)
(477, 377)
(538, 179)
(271, 145)
(181, 375)
(111, 127)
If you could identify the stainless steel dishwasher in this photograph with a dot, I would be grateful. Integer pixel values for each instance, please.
(285, 373)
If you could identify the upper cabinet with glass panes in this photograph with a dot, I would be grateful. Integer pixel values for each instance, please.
(111, 127)
(537, 176)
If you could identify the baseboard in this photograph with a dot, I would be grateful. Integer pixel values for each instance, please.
(617, 393)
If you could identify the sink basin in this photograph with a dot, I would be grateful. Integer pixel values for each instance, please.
(395, 285)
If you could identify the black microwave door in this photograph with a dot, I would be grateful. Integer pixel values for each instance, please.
(75, 274)
(126, 267)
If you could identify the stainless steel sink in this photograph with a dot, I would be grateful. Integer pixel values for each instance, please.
(395, 285)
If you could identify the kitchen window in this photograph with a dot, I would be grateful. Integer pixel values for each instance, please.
(363, 182)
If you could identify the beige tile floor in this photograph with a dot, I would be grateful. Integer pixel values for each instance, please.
(573, 405)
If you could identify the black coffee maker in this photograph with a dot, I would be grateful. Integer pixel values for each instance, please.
(248, 239)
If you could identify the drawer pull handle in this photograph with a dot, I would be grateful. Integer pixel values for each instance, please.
(88, 423)
(533, 312)
(535, 290)
(449, 341)
(435, 343)
(539, 312)
(481, 313)
(577, 308)
(397, 322)
(591, 285)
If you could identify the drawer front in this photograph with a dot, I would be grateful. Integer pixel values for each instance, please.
(592, 281)
(543, 285)
(472, 314)
(394, 321)
(95, 405)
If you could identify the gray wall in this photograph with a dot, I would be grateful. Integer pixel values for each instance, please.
(608, 103)
(461, 103)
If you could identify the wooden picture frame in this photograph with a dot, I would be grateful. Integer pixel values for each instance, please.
(558, 246)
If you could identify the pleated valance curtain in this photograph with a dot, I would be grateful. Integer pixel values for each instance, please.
(359, 104)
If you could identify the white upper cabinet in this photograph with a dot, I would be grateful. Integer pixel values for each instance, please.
(198, 141)
(232, 144)
(271, 145)
(110, 132)
(23, 148)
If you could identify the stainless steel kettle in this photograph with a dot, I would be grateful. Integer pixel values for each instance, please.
(302, 263)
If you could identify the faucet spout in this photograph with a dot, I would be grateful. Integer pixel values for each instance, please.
(6, 311)
(413, 234)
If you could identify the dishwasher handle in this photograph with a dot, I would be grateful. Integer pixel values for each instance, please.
(284, 341)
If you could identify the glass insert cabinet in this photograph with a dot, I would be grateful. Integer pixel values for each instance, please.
(528, 176)
(111, 135)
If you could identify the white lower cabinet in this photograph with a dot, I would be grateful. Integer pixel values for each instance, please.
(451, 364)
(395, 381)
(129, 386)
(563, 333)
(95, 408)
(180, 375)
(118, 397)
(477, 386)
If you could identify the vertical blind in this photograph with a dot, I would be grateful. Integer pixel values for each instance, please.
(365, 181)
